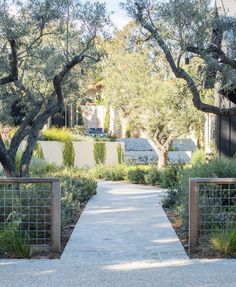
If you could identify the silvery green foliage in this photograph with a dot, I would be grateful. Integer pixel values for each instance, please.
(187, 29)
(182, 21)
(44, 47)
(48, 34)
(139, 84)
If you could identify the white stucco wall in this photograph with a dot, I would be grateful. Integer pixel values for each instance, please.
(84, 154)
(93, 116)
(84, 157)
(226, 7)
(52, 151)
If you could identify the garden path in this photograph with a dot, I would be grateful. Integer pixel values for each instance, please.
(123, 239)
(123, 223)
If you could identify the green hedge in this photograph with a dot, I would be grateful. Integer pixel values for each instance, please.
(76, 186)
(177, 196)
(145, 174)
(113, 173)
(136, 175)
(77, 189)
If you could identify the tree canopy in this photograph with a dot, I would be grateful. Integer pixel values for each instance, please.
(46, 47)
(191, 28)
(138, 82)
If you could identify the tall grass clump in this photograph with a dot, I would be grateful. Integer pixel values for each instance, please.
(198, 157)
(57, 134)
(224, 241)
(12, 242)
(40, 168)
(38, 151)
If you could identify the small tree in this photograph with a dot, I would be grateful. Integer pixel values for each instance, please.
(68, 153)
(107, 120)
(138, 81)
(99, 152)
(120, 153)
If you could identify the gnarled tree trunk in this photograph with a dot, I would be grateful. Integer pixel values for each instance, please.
(162, 158)
(39, 114)
(163, 143)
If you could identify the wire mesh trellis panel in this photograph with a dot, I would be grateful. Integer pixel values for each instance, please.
(33, 207)
(212, 206)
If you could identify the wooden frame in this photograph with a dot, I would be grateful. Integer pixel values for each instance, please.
(55, 205)
(194, 205)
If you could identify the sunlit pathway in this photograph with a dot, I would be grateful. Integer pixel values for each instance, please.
(123, 223)
(122, 239)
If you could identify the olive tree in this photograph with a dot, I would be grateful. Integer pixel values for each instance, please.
(138, 83)
(44, 47)
(192, 28)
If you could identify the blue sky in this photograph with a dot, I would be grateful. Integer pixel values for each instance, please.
(119, 18)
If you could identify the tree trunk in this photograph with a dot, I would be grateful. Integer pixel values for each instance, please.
(9, 168)
(40, 113)
(26, 157)
(163, 143)
(7, 162)
(162, 158)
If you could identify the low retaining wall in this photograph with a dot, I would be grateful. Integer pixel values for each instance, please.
(84, 157)
(151, 156)
(180, 156)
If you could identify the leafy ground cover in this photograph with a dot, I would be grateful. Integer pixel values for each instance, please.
(139, 174)
(221, 241)
(79, 185)
(76, 187)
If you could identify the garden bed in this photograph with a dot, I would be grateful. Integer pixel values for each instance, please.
(68, 230)
(76, 190)
(203, 252)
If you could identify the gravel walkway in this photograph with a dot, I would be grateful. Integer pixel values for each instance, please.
(122, 239)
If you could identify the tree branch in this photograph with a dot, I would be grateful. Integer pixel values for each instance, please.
(58, 79)
(23, 130)
(179, 72)
(213, 49)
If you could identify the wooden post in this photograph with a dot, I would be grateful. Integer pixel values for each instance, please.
(193, 214)
(56, 216)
